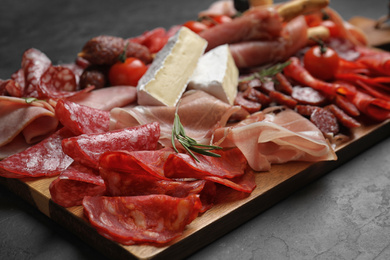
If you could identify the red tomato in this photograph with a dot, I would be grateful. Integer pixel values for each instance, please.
(195, 26)
(222, 19)
(321, 62)
(332, 27)
(126, 73)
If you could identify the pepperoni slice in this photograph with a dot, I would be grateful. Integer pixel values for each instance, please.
(43, 159)
(74, 183)
(82, 119)
(244, 183)
(154, 219)
(282, 99)
(342, 117)
(246, 104)
(232, 163)
(86, 149)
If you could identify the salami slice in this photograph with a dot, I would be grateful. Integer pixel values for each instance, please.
(308, 96)
(244, 183)
(74, 183)
(87, 148)
(82, 119)
(146, 162)
(43, 159)
(34, 65)
(232, 163)
(152, 219)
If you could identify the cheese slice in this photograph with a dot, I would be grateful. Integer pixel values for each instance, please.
(216, 74)
(167, 77)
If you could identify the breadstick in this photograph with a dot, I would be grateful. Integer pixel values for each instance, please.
(292, 9)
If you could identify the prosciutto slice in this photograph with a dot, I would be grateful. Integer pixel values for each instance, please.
(86, 149)
(74, 183)
(200, 113)
(19, 117)
(256, 53)
(150, 219)
(43, 159)
(255, 24)
(276, 135)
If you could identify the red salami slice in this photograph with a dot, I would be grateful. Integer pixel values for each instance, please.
(244, 183)
(152, 219)
(82, 119)
(87, 148)
(43, 159)
(146, 162)
(308, 96)
(74, 183)
(59, 82)
(232, 163)
(34, 65)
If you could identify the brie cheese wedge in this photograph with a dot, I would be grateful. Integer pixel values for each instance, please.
(217, 74)
(168, 75)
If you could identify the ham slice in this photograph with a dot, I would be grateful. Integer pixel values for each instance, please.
(276, 135)
(150, 219)
(107, 98)
(200, 113)
(26, 119)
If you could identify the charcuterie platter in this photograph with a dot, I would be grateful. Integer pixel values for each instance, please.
(204, 179)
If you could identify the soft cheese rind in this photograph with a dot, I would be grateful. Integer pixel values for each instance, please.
(168, 76)
(216, 74)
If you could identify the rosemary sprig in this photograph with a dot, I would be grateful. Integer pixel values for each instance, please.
(188, 143)
(265, 73)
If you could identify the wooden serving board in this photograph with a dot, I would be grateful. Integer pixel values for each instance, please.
(272, 186)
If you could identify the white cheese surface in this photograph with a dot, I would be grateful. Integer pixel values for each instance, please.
(167, 77)
(216, 74)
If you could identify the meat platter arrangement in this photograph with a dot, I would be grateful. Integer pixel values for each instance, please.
(149, 142)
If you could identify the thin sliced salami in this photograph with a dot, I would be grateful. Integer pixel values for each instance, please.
(74, 183)
(43, 159)
(244, 183)
(82, 119)
(150, 219)
(87, 148)
(232, 163)
(145, 162)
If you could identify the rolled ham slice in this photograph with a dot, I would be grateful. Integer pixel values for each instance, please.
(33, 121)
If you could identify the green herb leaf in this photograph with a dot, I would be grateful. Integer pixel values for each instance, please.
(267, 73)
(188, 143)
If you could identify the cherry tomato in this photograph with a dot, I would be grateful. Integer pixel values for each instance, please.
(195, 26)
(126, 73)
(321, 62)
(221, 19)
(332, 27)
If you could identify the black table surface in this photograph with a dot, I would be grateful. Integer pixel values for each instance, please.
(343, 215)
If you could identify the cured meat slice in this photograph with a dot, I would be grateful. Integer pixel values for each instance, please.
(19, 116)
(107, 98)
(276, 135)
(375, 108)
(232, 163)
(200, 113)
(43, 159)
(74, 183)
(145, 162)
(255, 24)
(244, 183)
(34, 65)
(82, 119)
(87, 148)
(255, 53)
(151, 219)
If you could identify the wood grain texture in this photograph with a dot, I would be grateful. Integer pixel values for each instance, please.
(272, 187)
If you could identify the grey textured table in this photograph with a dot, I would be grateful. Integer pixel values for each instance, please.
(343, 215)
